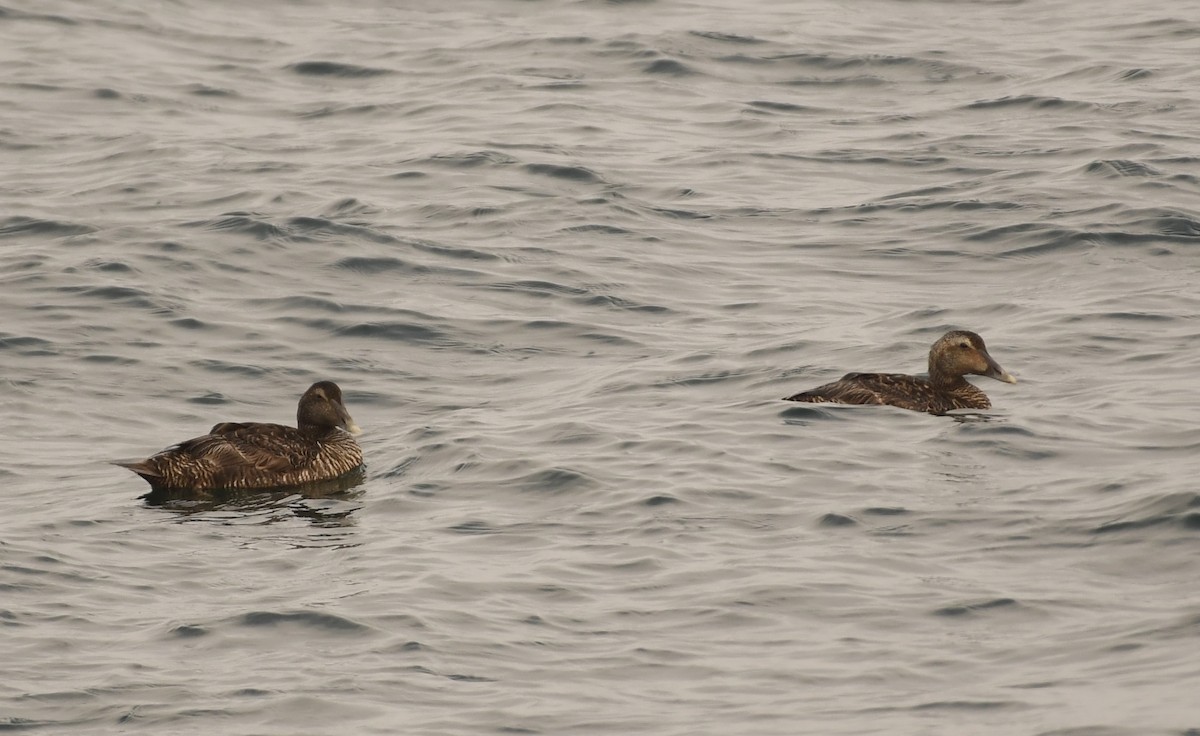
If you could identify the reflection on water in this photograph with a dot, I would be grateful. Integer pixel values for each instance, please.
(974, 417)
(298, 500)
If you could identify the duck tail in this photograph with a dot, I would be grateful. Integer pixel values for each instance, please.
(141, 467)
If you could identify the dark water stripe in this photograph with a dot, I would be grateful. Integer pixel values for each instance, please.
(832, 520)
(299, 228)
(126, 295)
(549, 289)
(1033, 102)
(669, 67)
(308, 619)
(244, 223)
(885, 511)
(468, 160)
(290, 303)
(616, 302)
(1166, 509)
(220, 366)
(453, 251)
(1121, 167)
(964, 609)
(970, 705)
(22, 341)
(335, 69)
(20, 225)
(372, 266)
(11, 14)
(308, 225)
(541, 288)
(572, 173)
(727, 37)
(204, 90)
(556, 480)
(596, 228)
(331, 110)
(404, 332)
(858, 80)
(783, 107)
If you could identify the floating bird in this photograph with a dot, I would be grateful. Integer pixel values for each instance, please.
(953, 356)
(254, 455)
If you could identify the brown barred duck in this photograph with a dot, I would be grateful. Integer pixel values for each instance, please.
(953, 356)
(253, 455)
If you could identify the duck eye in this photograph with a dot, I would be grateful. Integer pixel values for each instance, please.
(964, 345)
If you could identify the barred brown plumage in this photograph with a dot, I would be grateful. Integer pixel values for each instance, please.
(955, 354)
(253, 455)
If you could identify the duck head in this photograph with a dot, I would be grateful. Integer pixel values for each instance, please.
(321, 409)
(960, 352)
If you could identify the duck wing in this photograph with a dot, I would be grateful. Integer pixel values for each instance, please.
(271, 448)
(865, 388)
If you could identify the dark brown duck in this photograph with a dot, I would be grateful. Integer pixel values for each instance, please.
(253, 455)
(953, 356)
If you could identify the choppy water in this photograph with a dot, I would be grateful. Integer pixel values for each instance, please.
(565, 258)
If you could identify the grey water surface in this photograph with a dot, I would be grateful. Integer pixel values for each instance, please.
(564, 258)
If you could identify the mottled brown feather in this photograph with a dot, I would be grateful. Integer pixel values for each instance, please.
(253, 455)
(954, 355)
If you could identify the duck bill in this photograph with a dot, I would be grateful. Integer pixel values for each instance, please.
(995, 371)
(348, 421)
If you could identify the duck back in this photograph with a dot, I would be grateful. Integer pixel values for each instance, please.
(250, 455)
(896, 389)
(955, 354)
(259, 456)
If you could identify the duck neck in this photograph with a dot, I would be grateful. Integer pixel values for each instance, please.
(943, 381)
(315, 431)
